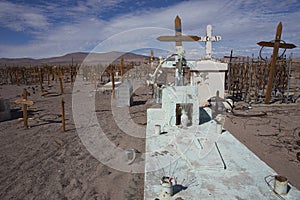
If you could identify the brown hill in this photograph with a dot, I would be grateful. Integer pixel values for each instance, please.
(75, 58)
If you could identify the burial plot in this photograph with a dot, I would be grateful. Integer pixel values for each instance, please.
(276, 44)
(208, 74)
(124, 94)
(200, 161)
(4, 110)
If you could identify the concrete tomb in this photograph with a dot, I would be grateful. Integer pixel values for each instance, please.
(4, 110)
(186, 159)
(124, 94)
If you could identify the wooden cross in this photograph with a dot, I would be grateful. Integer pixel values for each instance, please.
(151, 56)
(25, 103)
(150, 60)
(60, 77)
(41, 81)
(63, 128)
(35, 74)
(122, 66)
(178, 39)
(111, 71)
(43, 92)
(227, 75)
(17, 76)
(276, 45)
(48, 75)
(208, 39)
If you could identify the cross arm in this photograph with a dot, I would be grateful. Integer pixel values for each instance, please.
(281, 45)
(24, 101)
(179, 38)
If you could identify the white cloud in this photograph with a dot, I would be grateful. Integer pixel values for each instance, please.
(240, 23)
(21, 17)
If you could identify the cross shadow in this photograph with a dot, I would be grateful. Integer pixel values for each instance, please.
(52, 94)
(18, 113)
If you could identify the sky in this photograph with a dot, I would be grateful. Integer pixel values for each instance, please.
(41, 29)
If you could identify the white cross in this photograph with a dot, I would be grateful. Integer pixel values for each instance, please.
(208, 39)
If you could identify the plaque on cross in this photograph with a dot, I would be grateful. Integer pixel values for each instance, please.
(208, 39)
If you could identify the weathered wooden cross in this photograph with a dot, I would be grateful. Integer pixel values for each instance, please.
(276, 45)
(25, 103)
(41, 81)
(179, 38)
(227, 75)
(60, 76)
(34, 74)
(178, 64)
(151, 58)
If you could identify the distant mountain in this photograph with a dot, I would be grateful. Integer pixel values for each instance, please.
(75, 58)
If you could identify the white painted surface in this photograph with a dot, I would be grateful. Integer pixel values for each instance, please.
(190, 155)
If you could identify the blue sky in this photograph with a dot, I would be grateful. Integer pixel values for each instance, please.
(41, 29)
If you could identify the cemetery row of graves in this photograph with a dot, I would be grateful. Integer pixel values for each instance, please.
(246, 78)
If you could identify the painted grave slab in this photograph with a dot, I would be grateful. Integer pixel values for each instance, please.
(194, 160)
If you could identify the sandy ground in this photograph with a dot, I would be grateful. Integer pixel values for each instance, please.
(273, 137)
(42, 162)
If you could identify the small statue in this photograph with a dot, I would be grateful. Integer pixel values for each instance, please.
(184, 119)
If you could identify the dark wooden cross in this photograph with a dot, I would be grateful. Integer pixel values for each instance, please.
(63, 118)
(276, 45)
(227, 75)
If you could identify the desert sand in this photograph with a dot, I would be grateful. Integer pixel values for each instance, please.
(42, 162)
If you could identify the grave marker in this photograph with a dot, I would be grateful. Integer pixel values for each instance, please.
(41, 82)
(179, 57)
(4, 110)
(124, 94)
(25, 103)
(63, 115)
(276, 45)
(60, 77)
(227, 75)
(208, 39)
(34, 74)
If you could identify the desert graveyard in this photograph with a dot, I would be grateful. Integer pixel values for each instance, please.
(45, 118)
